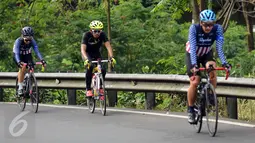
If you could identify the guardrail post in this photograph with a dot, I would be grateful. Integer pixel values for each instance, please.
(150, 100)
(71, 95)
(232, 107)
(112, 98)
(1, 94)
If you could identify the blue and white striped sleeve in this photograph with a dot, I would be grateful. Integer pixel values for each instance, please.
(219, 44)
(193, 44)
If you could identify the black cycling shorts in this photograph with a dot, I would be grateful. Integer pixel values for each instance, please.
(200, 60)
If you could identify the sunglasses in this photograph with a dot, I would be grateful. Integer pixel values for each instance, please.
(96, 31)
(27, 38)
(207, 24)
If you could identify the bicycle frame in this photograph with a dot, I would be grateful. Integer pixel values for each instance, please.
(97, 71)
(202, 103)
(28, 76)
(203, 85)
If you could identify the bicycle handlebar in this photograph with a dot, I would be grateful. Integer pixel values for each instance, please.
(37, 63)
(102, 61)
(217, 68)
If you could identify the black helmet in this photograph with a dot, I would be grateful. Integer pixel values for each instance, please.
(27, 31)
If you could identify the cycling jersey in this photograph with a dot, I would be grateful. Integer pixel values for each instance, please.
(200, 43)
(93, 45)
(20, 48)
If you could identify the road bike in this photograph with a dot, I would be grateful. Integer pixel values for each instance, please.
(30, 89)
(207, 103)
(97, 84)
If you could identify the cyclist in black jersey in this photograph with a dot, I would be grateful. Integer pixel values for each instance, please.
(90, 49)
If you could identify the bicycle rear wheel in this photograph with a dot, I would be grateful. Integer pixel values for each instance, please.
(21, 100)
(199, 120)
(211, 110)
(102, 99)
(199, 110)
(33, 93)
(91, 103)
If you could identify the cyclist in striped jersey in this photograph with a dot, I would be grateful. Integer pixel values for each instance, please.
(199, 51)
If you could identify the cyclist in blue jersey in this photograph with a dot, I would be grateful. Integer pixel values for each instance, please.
(22, 53)
(199, 51)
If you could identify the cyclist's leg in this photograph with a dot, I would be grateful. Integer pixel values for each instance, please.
(88, 80)
(191, 93)
(21, 73)
(209, 60)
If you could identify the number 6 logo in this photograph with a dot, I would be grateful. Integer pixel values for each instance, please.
(15, 122)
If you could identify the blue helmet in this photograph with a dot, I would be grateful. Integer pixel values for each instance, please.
(207, 15)
(27, 31)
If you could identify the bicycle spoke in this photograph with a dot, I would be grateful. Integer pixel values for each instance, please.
(211, 110)
(103, 97)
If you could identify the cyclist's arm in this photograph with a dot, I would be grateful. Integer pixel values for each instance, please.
(84, 42)
(107, 44)
(36, 49)
(16, 50)
(193, 44)
(83, 52)
(219, 44)
(109, 48)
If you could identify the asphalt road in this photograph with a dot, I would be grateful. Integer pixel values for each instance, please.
(63, 125)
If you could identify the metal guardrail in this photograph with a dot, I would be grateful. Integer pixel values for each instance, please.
(233, 87)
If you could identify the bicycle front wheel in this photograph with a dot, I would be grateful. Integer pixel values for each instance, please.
(33, 92)
(102, 98)
(211, 110)
(21, 100)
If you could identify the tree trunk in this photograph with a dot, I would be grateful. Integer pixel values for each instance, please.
(202, 5)
(228, 15)
(223, 11)
(249, 23)
(109, 29)
(195, 11)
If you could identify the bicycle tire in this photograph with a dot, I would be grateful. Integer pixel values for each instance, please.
(34, 96)
(91, 104)
(103, 102)
(199, 121)
(21, 105)
(213, 130)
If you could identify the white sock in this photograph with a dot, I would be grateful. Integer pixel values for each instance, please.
(20, 85)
